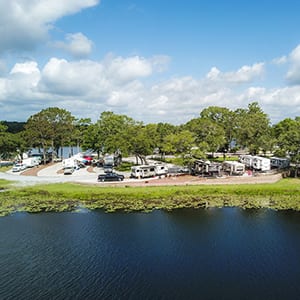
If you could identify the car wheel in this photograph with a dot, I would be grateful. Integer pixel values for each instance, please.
(120, 179)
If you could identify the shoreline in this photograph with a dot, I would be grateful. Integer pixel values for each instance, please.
(70, 196)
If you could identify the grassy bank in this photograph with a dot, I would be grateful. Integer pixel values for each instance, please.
(284, 194)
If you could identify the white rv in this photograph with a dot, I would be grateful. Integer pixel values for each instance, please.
(161, 170)
(31, 161)
(142, 171)
(70, 163)
(247, 160)
(233, 167)
(261, 163)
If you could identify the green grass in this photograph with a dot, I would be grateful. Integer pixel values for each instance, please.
(4, 184)
(68, 197)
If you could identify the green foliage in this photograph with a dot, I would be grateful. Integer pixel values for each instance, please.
(252, 128)
(287, 134)
(124, 166)
(68, 197)
(51, 127)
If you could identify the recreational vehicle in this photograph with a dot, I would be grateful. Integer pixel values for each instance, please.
(233, 167)
(261, 163)
(280, 163)
(247, 160)
(161, 170)
(205, 168)
(31, 162)
(142, 171)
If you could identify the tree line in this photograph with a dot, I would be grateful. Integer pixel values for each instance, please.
(216, 129)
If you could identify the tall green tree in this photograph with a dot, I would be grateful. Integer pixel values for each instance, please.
(252, 129)
(8, 143)
(52, 127)
(225, 118)
(287, 134)
(209, 135)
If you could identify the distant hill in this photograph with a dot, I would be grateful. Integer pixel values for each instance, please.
(14, 127)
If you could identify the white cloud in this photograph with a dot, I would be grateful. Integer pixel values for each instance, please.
(293, 75)
(25, 23)
(245, 74)
(3, 67)
(126, 69)
(77, 44)
(280, 60)
(86, 88)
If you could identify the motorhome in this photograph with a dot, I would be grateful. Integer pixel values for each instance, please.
(70, 163)
(233, 167)
(108, 163)
(143, 171)
(31, 161)
(279, 162)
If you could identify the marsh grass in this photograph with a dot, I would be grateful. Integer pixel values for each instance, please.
(284, 194)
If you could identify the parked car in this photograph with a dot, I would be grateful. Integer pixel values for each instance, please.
(18, 167)
(69, 170)
(110, 177)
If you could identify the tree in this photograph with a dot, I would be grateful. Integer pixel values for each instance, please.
(287, 134)
(208, 134)
(223, 117)
(50, 128)
(8, 144)
(252, 128)
(81, 127)
(179, 143)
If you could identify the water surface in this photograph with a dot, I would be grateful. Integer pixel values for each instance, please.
(187, 254)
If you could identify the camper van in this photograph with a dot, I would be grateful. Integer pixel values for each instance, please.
(233, 167)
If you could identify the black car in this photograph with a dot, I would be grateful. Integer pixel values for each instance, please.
(110, 177)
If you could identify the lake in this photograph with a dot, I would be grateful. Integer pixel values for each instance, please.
(224, 253)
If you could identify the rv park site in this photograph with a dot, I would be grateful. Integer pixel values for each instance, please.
(201, 172)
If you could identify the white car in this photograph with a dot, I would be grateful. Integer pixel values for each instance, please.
(68, 170)
(18, 167)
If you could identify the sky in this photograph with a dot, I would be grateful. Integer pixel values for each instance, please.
(154, 61)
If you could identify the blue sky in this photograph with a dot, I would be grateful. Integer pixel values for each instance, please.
(156, 61)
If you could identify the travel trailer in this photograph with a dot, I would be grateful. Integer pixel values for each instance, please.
(205, 168)
(261, 163)
(257, 163)
(279, 163)
(233, 167)
(142, 171)
(161, 170)
(247, 160)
